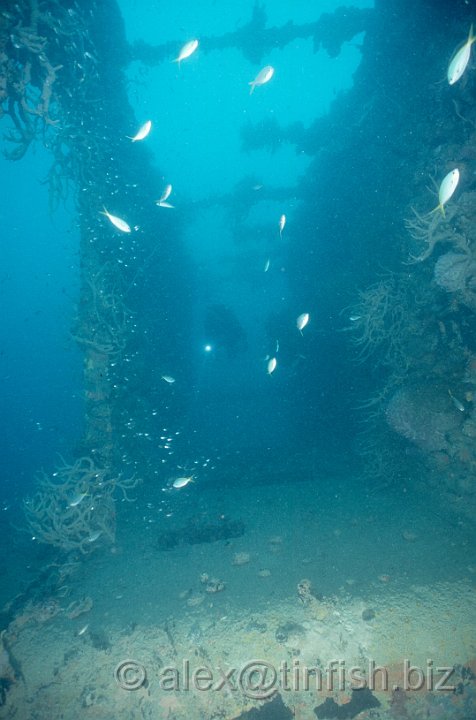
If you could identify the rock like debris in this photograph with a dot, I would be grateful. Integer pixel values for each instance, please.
(200, 531)
(361, 700)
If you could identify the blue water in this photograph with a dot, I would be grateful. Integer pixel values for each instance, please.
(40, 363)
(196, 143)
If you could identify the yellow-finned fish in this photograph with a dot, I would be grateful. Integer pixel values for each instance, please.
(447, 188)
(187, 50)
(94, 536)
(262, 77)
(460, 59)
(182, 482)
(117, 222)
(142, 132)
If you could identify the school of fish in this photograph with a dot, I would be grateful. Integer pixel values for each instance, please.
(456, 69)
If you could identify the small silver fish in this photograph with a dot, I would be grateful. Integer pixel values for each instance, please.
(267, 264)
(271, 366)
(187, 50)
(164, 204)
(447, 188)
(94, 536)
(76, 499)
(83, 630)
(166, 194)
(457, 403)
(117, 222)
(262, 77)
(460, 59)
(168, 379)
(302, 321)
(143, 131)
(282, 225)
(182, 482)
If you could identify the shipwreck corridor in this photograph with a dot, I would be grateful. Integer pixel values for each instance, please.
(240, 363)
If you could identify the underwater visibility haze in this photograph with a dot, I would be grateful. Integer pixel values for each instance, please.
(238, 359)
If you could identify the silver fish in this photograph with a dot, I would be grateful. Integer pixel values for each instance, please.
(460, 59)
(142, 132)
(117, 222)
(187, 50)
(262, 77)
